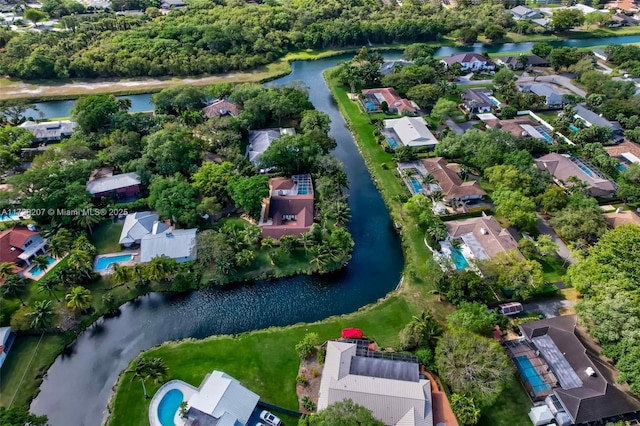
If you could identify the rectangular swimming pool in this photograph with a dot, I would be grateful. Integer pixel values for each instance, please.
(416, 185)
(104, 262)
(573, 128)
(458, 259)
(392, 142)
(585, 170)
(529, 373)
(36, 272)
(621, 167)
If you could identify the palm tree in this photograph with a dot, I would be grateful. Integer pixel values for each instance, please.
(156, 270)
(124, 104)
(41, 262)
(154, 369)
(60, 243)
(79, 298)
(268, 242)
(306, 239)
(121, 274)
(41, 315)
(86, 220)
(49, 285)
(82, 243)
(81, 261)
(6, 269)
(138, 275)
(13, 287)
(340, 212)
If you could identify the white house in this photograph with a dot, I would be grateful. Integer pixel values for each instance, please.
(469, 62)
(6, 340)
(51, 131)
(410, 131)
(139, 224)
(391, 389)
(178, 244)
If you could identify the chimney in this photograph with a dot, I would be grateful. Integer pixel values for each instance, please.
(619, 210)
(484, 231)
(590, 372)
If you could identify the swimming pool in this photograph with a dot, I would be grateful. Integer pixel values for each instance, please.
(458, 259)
(302, 189)
(11, 216)
(36, 271)
(370, 106)
(104, 262)
(573, 128)
(585, 170)
(416, 185)
(494, 101)
(168, 406)
(529, 373)
(544, 134)
(392, 142)
(621, 167)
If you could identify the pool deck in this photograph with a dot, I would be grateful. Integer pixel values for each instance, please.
(187, 391)
(134, 259)
(27, 274)
(519, 347)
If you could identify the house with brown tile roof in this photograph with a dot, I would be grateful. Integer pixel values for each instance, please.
(483, 235)
(621, 218)
(221, 107)
(520, 127)
(627, 150)
(450, 182)
(374, 97)
(18, 245)
(289, 209)
(562, 167)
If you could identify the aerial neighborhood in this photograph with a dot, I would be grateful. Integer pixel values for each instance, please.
(301, 213)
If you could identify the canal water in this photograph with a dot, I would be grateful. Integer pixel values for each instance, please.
(78, 385)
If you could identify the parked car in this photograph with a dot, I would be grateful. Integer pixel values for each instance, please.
(270, 418)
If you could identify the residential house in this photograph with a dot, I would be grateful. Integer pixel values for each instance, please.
(18, 245)
(479, 100)
(523, 12)
(409, 131)
(600, 54)
(520, 127)
(172, 4)
(469, 62)
(289, 209)
(482, 236)
(219, 400)
(390, 66)
(389, 386)
(6, 341)
(580, 392)
(178, 244)
(139, 224)
(50, 131)
(622, 20)
(552, 98)
(624, 5)
(373, 99)
(121, 186)
(562, 167)
(514, 62)
(221, 107)
(590, 118)
(449, 181)
(619, 218)
(627, 153)
(260, 141)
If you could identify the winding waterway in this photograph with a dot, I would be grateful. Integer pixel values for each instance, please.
(78, 385)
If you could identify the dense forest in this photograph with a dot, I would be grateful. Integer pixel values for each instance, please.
(207, 37)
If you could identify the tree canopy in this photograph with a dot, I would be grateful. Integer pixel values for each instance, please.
(343, 413)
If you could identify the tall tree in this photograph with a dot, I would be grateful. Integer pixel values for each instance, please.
(248, 192)
(41, 314)
(14, 286)
(79, 299)
(93, 113)
(49, 285)
(343, 413)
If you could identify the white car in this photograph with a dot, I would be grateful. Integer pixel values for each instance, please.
(270, 418)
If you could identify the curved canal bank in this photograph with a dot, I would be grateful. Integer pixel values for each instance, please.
(76, 388)
(282, 67)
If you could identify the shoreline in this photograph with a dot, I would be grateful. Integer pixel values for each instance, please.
(33, 91)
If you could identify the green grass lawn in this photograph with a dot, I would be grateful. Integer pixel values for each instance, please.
(106, 237)
(553, 269)
(548, 116)
(511, 407)
(19, 363)
(265, 361)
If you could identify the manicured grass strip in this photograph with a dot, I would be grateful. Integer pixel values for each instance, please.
(264, 361)
(511, 407)
(19, 362)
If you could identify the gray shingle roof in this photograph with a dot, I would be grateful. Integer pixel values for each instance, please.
(595, 119)
(139, 224)
(113, 183)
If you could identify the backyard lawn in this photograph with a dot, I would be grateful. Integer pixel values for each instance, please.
(106, 237)
(553, 269)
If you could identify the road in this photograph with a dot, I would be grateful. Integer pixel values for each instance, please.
(563, 251)
(556, 79)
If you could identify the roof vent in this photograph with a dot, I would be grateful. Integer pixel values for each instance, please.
(590, 372)
(484, 231)
(618, 210)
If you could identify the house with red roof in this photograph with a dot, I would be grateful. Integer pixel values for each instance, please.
(221, 107)
(373, 98)
(18, 245)
(289, 208)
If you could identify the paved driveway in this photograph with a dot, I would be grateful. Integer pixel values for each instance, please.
(563, 251)
(550, 308)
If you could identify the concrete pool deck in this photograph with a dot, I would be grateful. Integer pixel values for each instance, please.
(135, 258)
(187, 391)
(27, 272)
